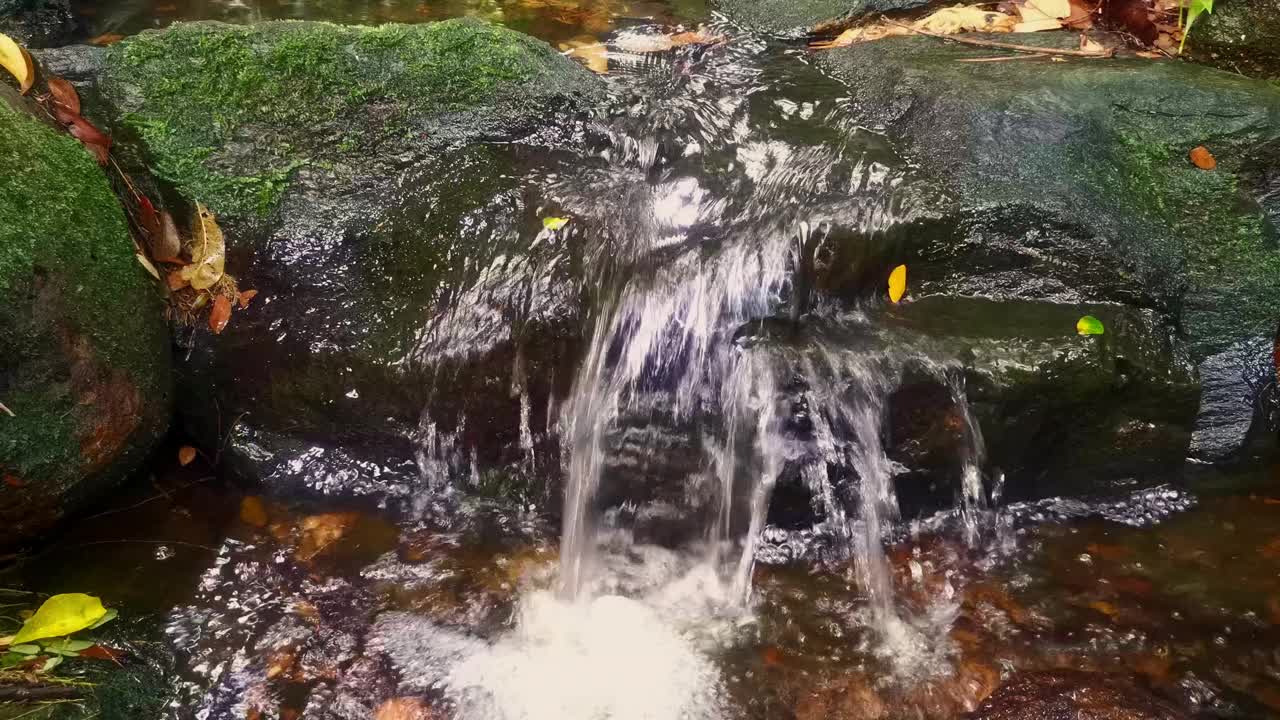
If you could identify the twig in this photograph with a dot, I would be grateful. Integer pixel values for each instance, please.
(6, 410)
(1002, 58)
(153, 498)
(36, 693)
(1007, 46)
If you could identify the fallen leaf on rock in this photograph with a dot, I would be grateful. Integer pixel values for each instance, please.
(144, 262)
(220, 315)
(593, 53)
(1134, 17)
(64, 94)
(1203, 159)
(96, 141)
(1088, 45)
(106, 39)
(1090, 325)
(166, 247)
(897, 283)
(208, 251)
(98, 652)
(554, 223)
(61, 615)
(16, 59)
(246, 297)
(1105, 608)
(253, 511)
(1040, 15)
(148, 218)
(186, 455)
(947, 21)
(321, 531)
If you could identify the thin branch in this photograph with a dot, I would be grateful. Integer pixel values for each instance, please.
(1002, 58)
(1007, 46)
(6, 410)
(37, 693)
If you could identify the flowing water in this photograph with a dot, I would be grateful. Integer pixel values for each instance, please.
(717, 392)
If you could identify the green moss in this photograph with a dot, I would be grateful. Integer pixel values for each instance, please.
(229, 113)
(66, 270)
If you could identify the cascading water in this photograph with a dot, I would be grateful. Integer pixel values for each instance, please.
(706, 234)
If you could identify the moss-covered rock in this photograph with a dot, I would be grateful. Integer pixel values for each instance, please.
(1241, 36)
(1084, 168)
(230, 114)
(85, 369)
(791, 18)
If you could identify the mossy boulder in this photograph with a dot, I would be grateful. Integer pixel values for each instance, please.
(365, 178)
(793, 18)
(1241, 36)
(1073, 181)
(85, 370)
(234, 116)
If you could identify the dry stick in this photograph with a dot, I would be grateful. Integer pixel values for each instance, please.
(1007, 46)
(37, 693)
(6, 410)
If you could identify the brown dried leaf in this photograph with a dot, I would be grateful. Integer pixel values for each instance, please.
(253, 512)
(593, 53)
(166, 246)
(247, 296)
(1203, 159)
(208, 251)
(220, 315)
(175, 281)
(106, 39)
(186, 455)
(64, 94)
(148, 219)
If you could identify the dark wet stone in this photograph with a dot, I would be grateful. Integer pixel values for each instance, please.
(1235, 403)
(38, 23)
(791, 18)
(1239, 35)
(1059, 170)
(1070, 695)
(86, 367)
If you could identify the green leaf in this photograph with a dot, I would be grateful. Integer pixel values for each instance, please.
(554, 223)
(68, 647)
(61, 615)
(11, 659)
(1194, 11)
(25, 649)
(111, 615)
(51, 663)
(1089, 325)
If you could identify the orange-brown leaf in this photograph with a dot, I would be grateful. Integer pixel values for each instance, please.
(220, 315)
(186, 455)
(246, 296)
(106, 39)
(148, 218)
(64, 94)
(1203, 159)
(98, 652)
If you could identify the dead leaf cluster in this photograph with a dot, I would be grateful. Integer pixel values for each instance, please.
(195, 279)
(1153, 22)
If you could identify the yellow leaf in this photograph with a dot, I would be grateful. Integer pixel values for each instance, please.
(17, 61)
(949, 21)
(593, 53)
(142, 259)
(554, 223)
(208, 251)
(61, 615)
(898, 283)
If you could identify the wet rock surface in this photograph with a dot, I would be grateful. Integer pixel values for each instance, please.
(38, 23)
(1241, 36)
(1063, 169)
(86, 370)
(1066, 695)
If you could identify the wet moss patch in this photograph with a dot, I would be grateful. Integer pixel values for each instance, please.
(229, 113)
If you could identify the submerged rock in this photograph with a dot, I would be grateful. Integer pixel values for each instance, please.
(1071, 695)
(1239, 35)
(85, 370)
